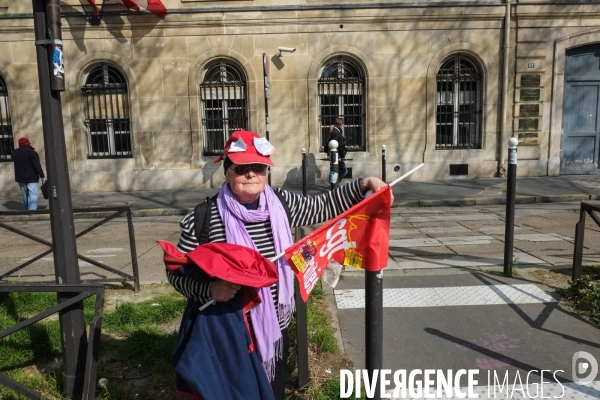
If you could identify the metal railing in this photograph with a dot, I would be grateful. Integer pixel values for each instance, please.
(91, 360)
(117, 211)
(587, 207)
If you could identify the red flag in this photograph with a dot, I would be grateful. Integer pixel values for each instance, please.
(154, 6)
(359, 237)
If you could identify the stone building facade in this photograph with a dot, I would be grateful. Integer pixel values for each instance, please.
(149, 103)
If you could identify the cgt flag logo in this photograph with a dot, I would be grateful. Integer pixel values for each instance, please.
(589, 367)
(359, 237)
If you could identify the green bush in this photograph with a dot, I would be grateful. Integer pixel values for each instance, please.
(585, 295)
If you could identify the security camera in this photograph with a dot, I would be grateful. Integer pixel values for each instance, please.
(287, 50)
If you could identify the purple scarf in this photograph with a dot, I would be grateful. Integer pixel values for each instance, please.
(264, 319)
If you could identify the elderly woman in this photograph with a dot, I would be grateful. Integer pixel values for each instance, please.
(248, 212)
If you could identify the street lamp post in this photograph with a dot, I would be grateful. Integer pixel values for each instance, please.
(46, 19)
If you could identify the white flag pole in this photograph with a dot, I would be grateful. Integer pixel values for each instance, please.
(406, 174)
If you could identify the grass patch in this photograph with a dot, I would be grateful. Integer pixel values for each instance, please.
(136, 344)
(320, 333)
(134, 348)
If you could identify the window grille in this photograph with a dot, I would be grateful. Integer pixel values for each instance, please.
(107, 113)
(6, 135)
(224, 105)
(342, 94)
(458, 101)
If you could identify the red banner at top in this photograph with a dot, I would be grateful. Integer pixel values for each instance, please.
(358, 238)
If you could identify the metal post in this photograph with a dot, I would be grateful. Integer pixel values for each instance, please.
(266, 73)
(303, 171)
(509, 227)
(578, 247)
(374, 325)
(72, 322)
(57, 70)
(383, 162)
(301, 315)
(132, 249)
(334, 165)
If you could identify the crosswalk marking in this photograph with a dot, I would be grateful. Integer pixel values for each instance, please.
(448, 296)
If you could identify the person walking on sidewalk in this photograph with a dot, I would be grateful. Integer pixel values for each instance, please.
(337, 133)
(28, 172)
(248, 212)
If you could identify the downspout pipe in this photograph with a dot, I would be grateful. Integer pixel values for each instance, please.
(503, 131)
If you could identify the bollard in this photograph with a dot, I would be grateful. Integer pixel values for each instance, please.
(301, 314)
(334, 166)
(383, 162)
(303, 171)
(374, 325)
(509, 227)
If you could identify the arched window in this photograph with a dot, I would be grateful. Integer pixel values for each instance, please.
(6, 135)
(107, 113)
(458, 98)
(224, 105)
(342, 94)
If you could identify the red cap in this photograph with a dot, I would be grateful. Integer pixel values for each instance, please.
(245, 147)
(24, 142)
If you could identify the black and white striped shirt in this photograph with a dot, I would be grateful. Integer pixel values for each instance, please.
(304, 210)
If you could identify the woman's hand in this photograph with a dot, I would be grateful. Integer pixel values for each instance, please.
(221, 290)
(374, 184)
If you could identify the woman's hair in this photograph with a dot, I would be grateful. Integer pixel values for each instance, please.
(226, 164)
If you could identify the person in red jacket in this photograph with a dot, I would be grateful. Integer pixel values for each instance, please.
(28, 172)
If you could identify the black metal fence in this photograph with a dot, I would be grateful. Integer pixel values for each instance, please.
(81, 292)
(116, 212)
(587, 207)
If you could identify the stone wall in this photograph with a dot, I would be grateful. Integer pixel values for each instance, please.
(400, 48)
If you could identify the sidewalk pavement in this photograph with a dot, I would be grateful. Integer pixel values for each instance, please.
(453, 192)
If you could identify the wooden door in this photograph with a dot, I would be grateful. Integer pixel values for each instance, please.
(580, 141)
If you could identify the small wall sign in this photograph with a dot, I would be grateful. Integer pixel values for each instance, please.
(531, 65)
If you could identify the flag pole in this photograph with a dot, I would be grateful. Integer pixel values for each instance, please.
(406, 174)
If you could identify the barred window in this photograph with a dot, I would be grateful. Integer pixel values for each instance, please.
(224, 105)
(6, 135)
(107, 113)
(458, 98)
(342, 94)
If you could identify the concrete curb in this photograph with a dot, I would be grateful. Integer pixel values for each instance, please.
(335, 322)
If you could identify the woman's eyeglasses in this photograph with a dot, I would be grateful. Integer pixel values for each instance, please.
(244, 169)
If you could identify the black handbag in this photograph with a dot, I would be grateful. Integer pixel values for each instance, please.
(45, 189)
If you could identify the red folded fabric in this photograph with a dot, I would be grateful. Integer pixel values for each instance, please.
(230, 262)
